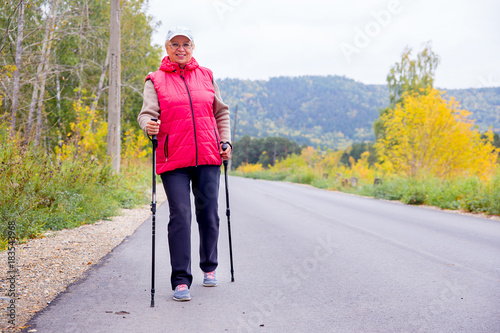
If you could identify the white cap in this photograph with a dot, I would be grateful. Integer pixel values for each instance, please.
(180, 31)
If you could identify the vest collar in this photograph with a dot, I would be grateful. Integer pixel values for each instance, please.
(168, 66)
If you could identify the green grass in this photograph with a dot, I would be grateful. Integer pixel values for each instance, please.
(469, 194)
(39, 193)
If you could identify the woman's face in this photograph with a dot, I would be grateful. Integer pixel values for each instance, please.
(180, 50)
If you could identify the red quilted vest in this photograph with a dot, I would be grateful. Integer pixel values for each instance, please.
(188, 132)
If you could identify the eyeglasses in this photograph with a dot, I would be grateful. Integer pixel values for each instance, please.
(185, 46)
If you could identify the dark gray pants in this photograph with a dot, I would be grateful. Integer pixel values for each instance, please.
(205, 185)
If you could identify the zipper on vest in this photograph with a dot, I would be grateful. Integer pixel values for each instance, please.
(165, 148)
(217, 142)
(192, 113)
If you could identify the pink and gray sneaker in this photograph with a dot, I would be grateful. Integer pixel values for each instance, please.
(209, 279)
(181, 293)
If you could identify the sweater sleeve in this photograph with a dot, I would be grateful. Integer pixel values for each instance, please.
(150, 105)
(221, 114)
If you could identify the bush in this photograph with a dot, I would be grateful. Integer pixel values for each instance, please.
(41, 193)
(470, 193)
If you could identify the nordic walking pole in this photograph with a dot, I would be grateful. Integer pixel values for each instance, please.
(228, 214)
(153, 219)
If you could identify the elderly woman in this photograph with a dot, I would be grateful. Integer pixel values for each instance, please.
(193, 123)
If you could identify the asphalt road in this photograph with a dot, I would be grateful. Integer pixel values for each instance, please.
(306, 260)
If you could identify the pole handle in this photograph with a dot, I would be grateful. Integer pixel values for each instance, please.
(224, 148)
(154, 136)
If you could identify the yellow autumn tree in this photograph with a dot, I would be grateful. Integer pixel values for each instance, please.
(88, 138)
(134, 145)
(429, 135)
(362, 168)
(331, 161)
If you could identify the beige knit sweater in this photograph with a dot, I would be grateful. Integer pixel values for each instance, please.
(151, 109)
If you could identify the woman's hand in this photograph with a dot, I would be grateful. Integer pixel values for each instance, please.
(226, 154)
(153, 127)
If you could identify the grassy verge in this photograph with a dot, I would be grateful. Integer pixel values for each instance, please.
(39, 193)
(468, 194)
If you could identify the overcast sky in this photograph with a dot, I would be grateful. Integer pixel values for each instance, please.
(359, 39)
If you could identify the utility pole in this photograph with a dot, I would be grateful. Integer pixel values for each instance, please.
(114, 140)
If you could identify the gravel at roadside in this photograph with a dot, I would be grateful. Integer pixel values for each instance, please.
(46, 266)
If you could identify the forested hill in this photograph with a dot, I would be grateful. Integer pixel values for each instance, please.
(484, 104)
(331, 111)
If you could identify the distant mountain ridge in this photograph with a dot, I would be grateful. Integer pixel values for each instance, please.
(329, 111)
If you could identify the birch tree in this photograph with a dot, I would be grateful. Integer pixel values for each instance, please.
(410, 75)
(54, 53)
(46, 68)
(114, 137)
(42, 71)
(17, 73)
